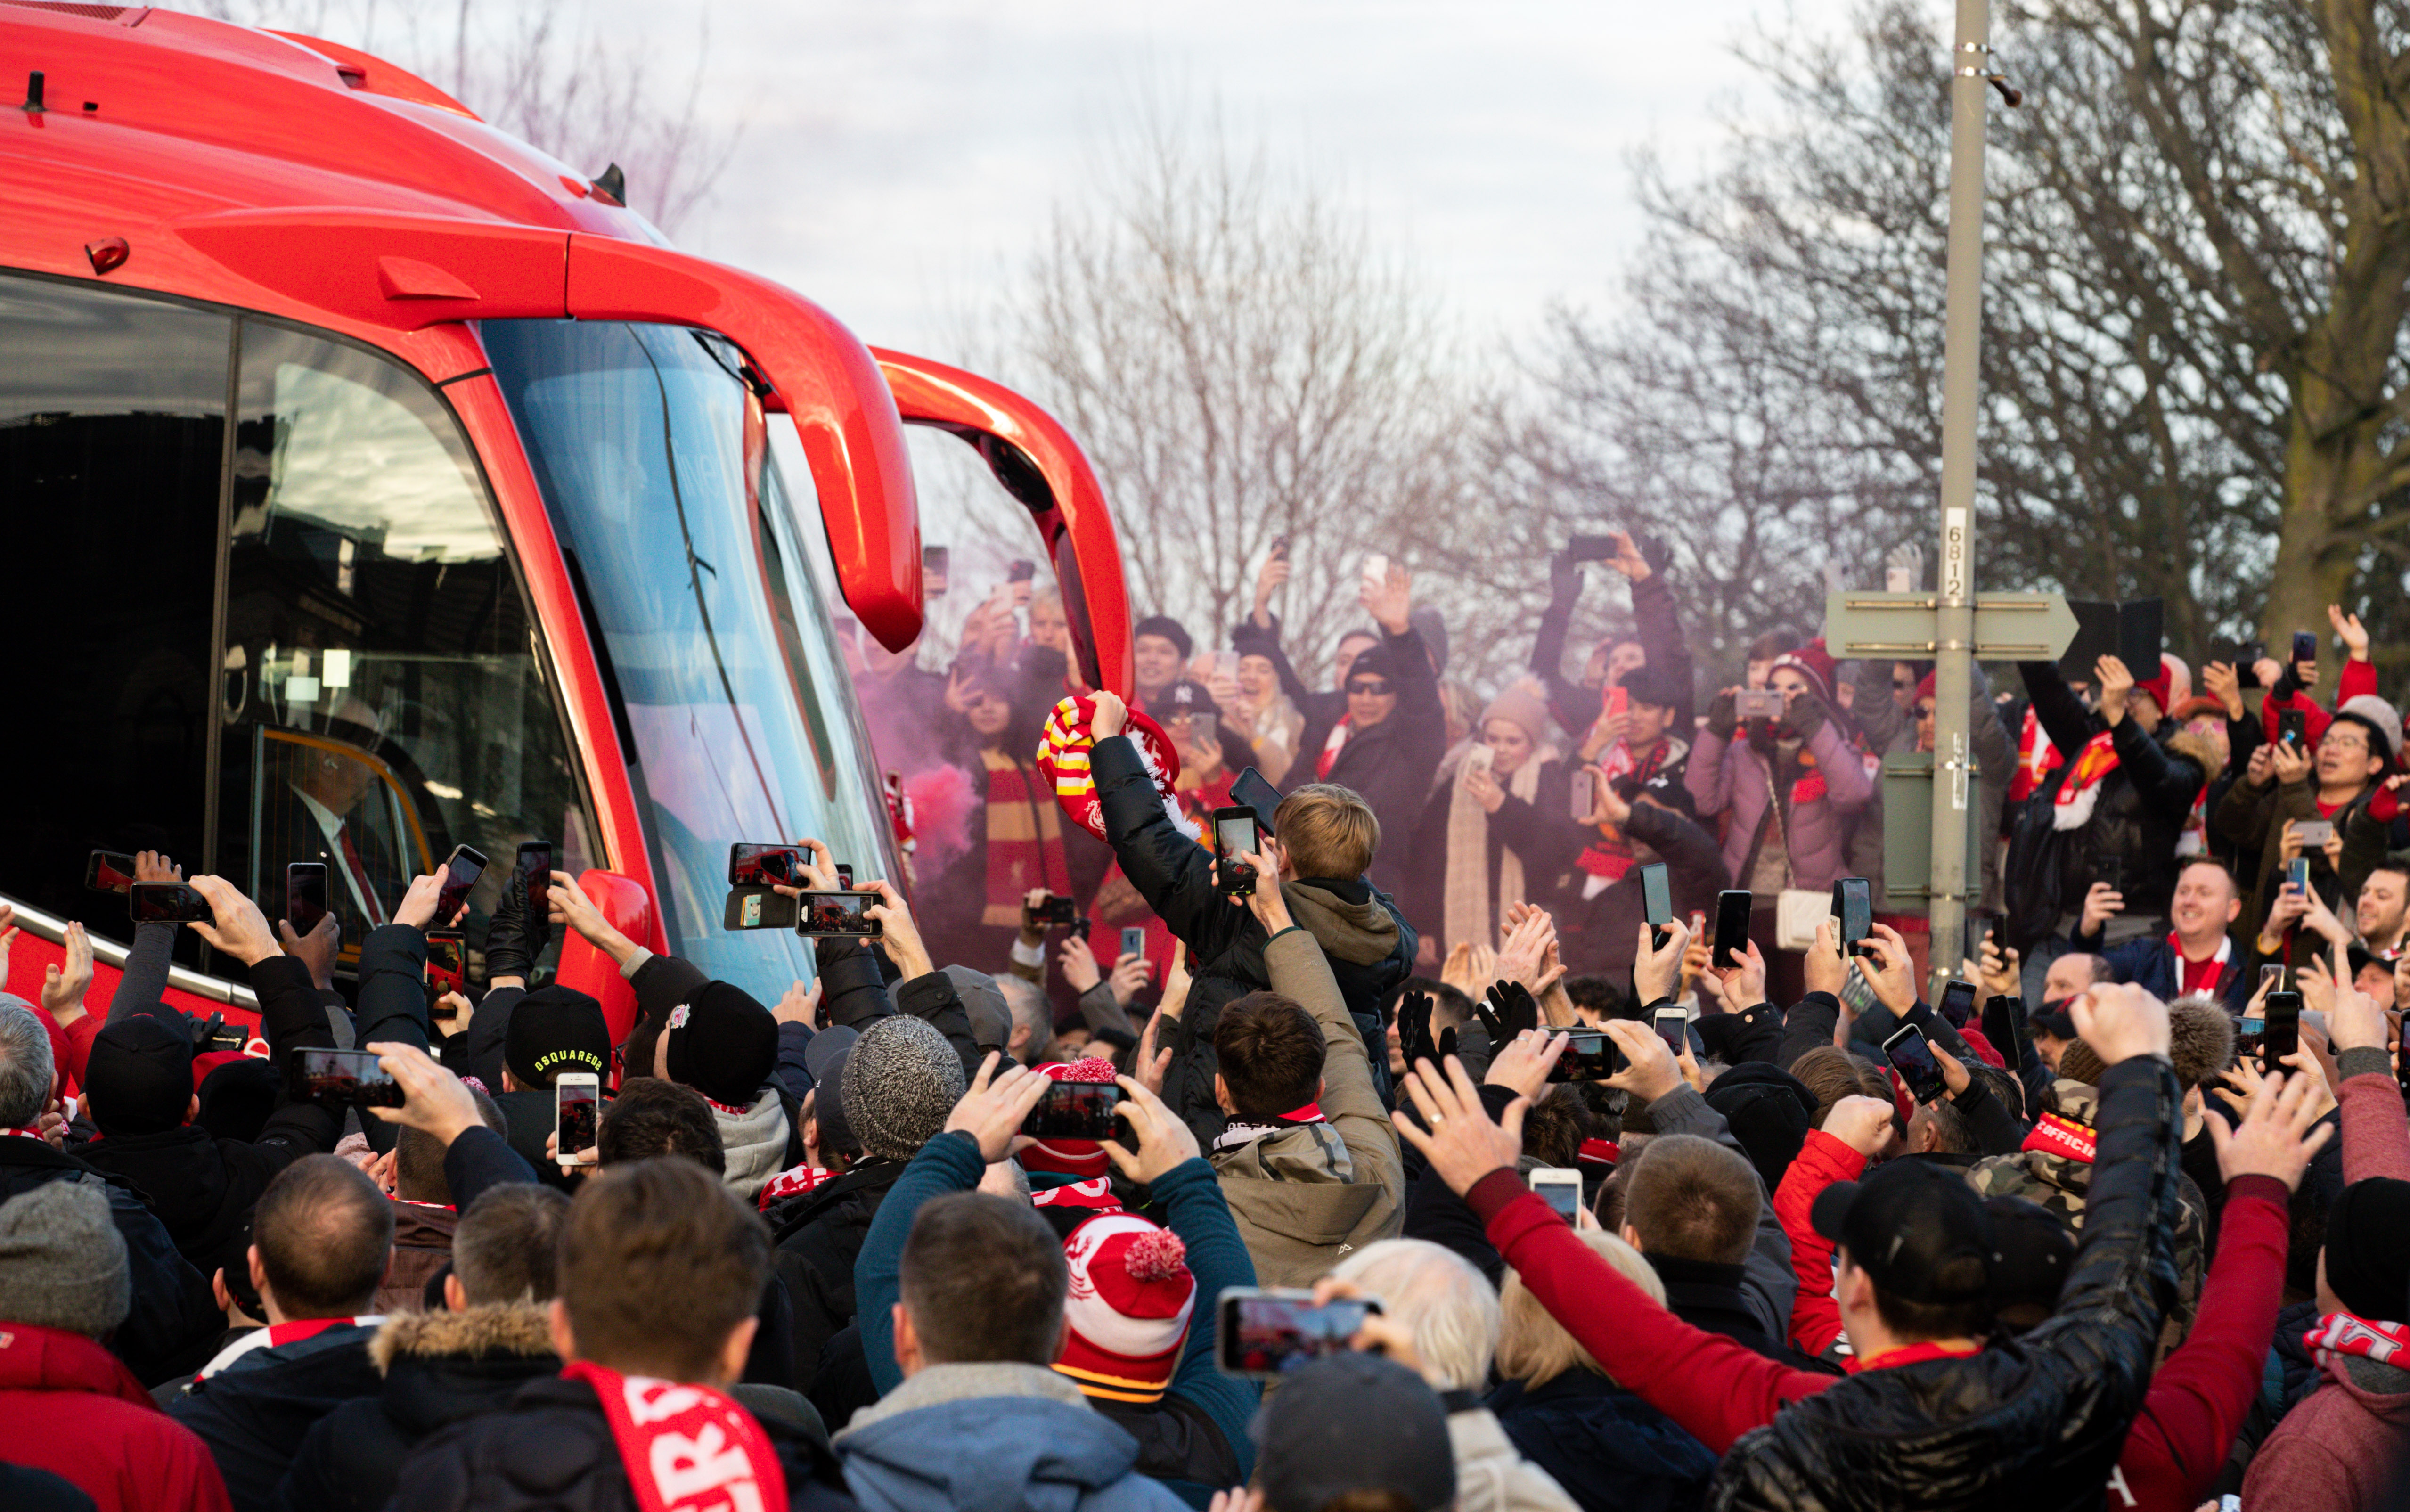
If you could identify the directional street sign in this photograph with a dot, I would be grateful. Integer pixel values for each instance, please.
(2009, 627)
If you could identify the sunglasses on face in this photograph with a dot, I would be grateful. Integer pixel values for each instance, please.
(1377, 687)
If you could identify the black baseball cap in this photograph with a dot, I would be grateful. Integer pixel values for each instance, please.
(1912, 1226)
(2030, 1252)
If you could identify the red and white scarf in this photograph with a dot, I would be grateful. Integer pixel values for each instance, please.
(2199, 976)
(2080, 794)
(687, 1447)
(1331, 746)
(2037, 758)
(2339, 1335)
(790, 1181)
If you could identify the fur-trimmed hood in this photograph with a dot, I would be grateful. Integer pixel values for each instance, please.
(522, 1329)
(2197, 750)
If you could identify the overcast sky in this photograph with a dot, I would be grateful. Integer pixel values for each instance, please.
(896, 155)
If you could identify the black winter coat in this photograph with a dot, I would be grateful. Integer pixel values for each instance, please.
(203, 1189)
(2138, 817)
(820, 1234)
(2036, 1422)
(1369, 943)
(254, 1412)
(175, 1319)
(439, 1369)
(1607, 930)
(550, 1449)
(1541, 833)
(1611, 1451)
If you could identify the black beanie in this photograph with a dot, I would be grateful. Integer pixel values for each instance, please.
(723, 1044)
(1170, 628)
(237, 1098)
(1767, 1109)
(552, 1030)
(141, 1073)
(2368, 1249)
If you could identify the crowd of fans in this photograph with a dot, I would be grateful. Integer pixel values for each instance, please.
(812, 1258)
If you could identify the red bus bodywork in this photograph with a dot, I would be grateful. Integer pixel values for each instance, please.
(297, 179)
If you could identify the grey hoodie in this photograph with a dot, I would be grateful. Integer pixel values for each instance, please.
(755, 1142)
(992, 1438)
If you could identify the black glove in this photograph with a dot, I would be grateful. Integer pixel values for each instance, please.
(510, 950)
(1806, 715)
(1564, 580)
(1415, 1042)
(1515, 1012)
(1722, 720)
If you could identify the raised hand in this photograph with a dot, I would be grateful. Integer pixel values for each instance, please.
(899, 934)
(1525, 1062)
(1164, 1139)
(2277, 1134)
(1649, 1070)
(239, 927)
(1457, 1135)
(993, 1109)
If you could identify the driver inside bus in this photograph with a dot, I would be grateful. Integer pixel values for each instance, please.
(328, 820)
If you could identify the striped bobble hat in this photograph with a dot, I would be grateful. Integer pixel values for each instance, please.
(1063, 762)
(1128, 1307)
(1083, 1158)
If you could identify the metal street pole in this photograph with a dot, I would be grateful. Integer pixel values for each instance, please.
(1954, 627)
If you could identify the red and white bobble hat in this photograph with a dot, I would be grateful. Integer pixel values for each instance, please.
(1063, 760)
(1128, 1307)
(1084, 1158)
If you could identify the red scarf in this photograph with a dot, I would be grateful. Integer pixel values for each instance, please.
(687, 1447)
(2065, 1137)
(1908, 1354)
(2037, 758)
(789, 1181)
(2078, 792)
(1024, 839)
(2199, 976)
(2341, 1334)
(1331, 746)
(1608, 853)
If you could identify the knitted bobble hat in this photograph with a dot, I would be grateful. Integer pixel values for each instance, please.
(1128, 1307)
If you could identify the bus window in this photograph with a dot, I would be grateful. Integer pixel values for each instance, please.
(383, 698)
(113, 430)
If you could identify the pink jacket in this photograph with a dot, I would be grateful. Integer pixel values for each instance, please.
(1728, 778)
(2337, 1447)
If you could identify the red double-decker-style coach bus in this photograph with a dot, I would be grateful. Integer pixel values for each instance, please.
(373, 483)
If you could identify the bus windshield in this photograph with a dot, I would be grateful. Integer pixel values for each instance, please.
(636, 436)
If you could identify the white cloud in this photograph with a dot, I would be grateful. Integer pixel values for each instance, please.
(896, 154)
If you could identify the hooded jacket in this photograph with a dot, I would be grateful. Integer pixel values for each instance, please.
(254, 1410)
(1195, 1438)
(203, 1189)
(549, 1449)
(72, 1409)
(1308, 1195)
(439, 1369)
(992, 1438)
(1370, 946)
(2339, 1445)
(1730, 776)
(422, 1250)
